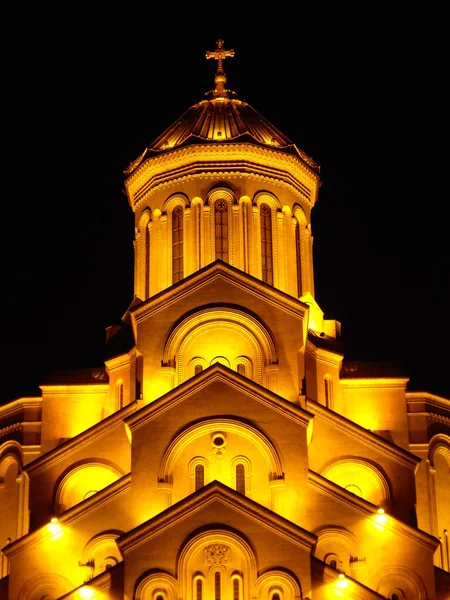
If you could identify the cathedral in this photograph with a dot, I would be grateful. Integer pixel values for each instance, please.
(225, 449)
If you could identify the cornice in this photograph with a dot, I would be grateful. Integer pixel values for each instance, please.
(329, 575)
(215, 162)
(325, 355)
(204, 497)
(212, 374)
(78, 442)
(20, 404)
(375, 382)
(71, 516)
(364, 436)
(196, 281)
(332, 490)
(420, 397)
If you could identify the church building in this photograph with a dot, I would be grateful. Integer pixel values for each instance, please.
(225, 449)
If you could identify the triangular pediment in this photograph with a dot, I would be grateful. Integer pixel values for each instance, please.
(216, 386)
(222, 283)
(214, 506)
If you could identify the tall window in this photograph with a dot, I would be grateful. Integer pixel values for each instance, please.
(235, 588)
(328, 386)
(241, 369)
(177, 244)
(299, 258)
(199, 476)
(221, 229)
(266, 243)
(199, 589)
(147, 261)
(119, 391)
(240, 478)
(217, 585)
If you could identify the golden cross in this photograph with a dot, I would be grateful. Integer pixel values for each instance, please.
(220, 54)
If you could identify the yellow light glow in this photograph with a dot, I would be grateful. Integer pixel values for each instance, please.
(381, 516)
(55, 529)
(86, 592)
(342, 581)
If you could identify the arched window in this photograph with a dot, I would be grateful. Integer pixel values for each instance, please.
(266, 243)
(241, 369)
(147, 261)
(199, 589)
(328, 388)
(235, 588)
(177, 244)
(198, 369)
(199, 476)
(119, 393)
(298, 258)
(276, 596)
(217, 585)
(221, 229)
(240, 478)
(333, 564)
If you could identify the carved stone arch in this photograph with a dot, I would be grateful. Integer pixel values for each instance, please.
(10, 456)
(182, 339)
(439, 444)
(154, 584)
(282, 582)
(101, 553)
(46, 585)
(193, 432)
(82, 480)
(178, 199)
(401, 578)
(267, 198)
(337, 542)
(216, 550)
(369, 479)
(219, 192)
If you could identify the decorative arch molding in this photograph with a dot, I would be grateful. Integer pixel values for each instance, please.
(220, 193)
(157, 584)
(331, 539)
(439, 444)
(10, 455)
(242, 460)
(192, 325)
(208, 427)
(215, 547)
(375, 478)
(278, 581)
(9, 449)
(198, 460)
(265, 197)
(77, 477)
(177, 199)
(45, 585)
(103, 551)
(400, 578)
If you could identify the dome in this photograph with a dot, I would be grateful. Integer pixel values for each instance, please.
(218, 119)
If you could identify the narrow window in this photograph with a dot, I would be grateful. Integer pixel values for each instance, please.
(266, 243)
(147, 261)
(299, 258)
(198, 369)
(217, 585)
(276, 596)
(159, 597)
(199, 476)
(119, 395)
(221, 229)
(240, 479)
(177, 244)
(235, 588)
(333, 564)
(199, 589)
(328, 393)
(241, 369)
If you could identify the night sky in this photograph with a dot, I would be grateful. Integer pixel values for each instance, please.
(83, 108)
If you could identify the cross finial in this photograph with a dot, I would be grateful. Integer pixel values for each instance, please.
(220, 54)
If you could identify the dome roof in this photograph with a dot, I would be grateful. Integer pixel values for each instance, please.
(218, 119)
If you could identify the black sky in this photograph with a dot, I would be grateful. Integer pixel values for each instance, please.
(83, 109)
